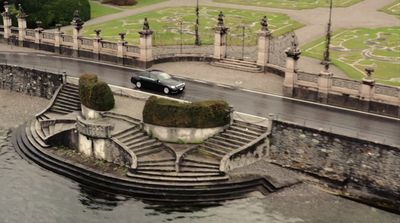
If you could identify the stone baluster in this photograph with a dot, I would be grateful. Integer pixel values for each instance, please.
(58, 38)
(77, 24)
(6, 21)
(146, 45)
(293, 55)
(324, 84)
(264, 38)
(97, 44)
(121, 48)
(220, 37)
(21, 25)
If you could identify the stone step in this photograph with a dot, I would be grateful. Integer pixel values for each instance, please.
(224, 143)
(157, 168)
(188, 169)
(238, 67)
(146, 146)
(249, 126)
(46, 131)
(179, 174)
(240, 61)
(211, 152)
(58, 111)
(148, 151)
(35, 135)
(159, 164)
(203, 162)
(122, 117)
(199, 165)
(73, 86)
(69, 95)
(160, 161)
(239, 134)
(68, 102)
(230, 140)
(176, 179)
(62, 109)
(125, 132)
(68, 98)
(136, 141)
(218, 147)
(242, 130)
(237, 138)
(126, 138)
(51, 129)
(66, 106)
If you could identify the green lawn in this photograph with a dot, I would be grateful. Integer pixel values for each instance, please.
(141, 3)
(393, 9)
(97, 9)
(354, 50)
(292, 4)
(167, 25)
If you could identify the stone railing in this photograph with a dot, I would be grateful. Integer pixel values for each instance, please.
(30, 34)
(67, 39)
(171, 51)
(346, 86)
(93, 129)
(307, 77)
(48, 35)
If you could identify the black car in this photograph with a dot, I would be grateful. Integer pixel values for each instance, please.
(157, 80)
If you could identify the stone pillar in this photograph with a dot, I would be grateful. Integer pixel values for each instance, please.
(21, 25)
(97, 45)
(293, 55)
(58, 39)
(121, 48)
(220, 35)
(264, 38)
(38, 34)
(77, 25)
(366, 90)
(146, 46)
(324, 85)
(6, 21)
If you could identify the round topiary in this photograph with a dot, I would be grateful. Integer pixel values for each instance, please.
(169, 113)
(95, 94)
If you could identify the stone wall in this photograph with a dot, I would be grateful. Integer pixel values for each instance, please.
(29, 81)
(360, 168)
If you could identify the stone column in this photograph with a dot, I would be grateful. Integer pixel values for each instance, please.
(77, 24)
(293, 55)
(366, 90)
(6, 21)
(264, 38)
(220, 38)
(121, 48)
(58, 39)
(146, 46)
(97, 45)
(21, 25)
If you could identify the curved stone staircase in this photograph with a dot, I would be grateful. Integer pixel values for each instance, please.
(159, 174)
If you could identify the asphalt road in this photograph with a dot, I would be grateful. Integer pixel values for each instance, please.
(333, 119)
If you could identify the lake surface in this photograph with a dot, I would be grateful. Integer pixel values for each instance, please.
(32, 194)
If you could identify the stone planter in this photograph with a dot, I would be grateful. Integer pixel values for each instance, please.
(181, 135)
(89, 113)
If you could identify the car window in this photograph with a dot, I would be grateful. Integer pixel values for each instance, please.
(163, 76)
(143, 74)
(154, 76)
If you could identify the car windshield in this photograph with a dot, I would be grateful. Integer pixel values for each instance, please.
(163, 76)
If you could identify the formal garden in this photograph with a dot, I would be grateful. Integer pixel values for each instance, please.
(175, 26)
(392, 9)
(290, 4)
(354, 50)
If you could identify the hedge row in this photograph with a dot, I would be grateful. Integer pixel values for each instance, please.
(49, 12)
(169, 113)
(95, 94)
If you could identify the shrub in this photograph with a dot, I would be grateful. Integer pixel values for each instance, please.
(120, 2)
(169, 113)
(95, 94)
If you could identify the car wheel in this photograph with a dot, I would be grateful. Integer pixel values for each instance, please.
(138, 84)
(166, 90)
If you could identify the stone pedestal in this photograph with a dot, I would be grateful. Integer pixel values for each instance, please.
(38, 37)
(21, 29)
(121, 51)
(76, 42)
(293, 55)
(220, 42)
(324, 84)
(264, 38)
(7, 22)
(57, 41)
(97, 47)
(146, 48)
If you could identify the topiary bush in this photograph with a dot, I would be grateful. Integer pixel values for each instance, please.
(169, 113)
(95, 94)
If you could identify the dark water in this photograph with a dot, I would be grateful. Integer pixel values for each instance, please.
(29, 193)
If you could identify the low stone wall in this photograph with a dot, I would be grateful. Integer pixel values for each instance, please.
(29, 81)
(361, 168)
(184, 135)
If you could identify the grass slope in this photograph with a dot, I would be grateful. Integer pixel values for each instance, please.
(291, 4)
(97, 9)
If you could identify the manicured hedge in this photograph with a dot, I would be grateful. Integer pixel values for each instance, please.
(95, 94)
(50, 12)
(169, 113)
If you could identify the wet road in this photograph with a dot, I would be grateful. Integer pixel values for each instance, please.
(332, 119)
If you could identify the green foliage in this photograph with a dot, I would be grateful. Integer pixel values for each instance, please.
(120, 2)
(169, 113)
(95, 94)
(51, 12)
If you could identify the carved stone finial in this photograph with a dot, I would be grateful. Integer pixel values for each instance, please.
(58, 26)
(97, 31)
(146, 25)
(38, 24)
(122, 36)
(369, 71)
(221, 19)
(293, 51)
(21, 13)
(264, 24)
(77, 21)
